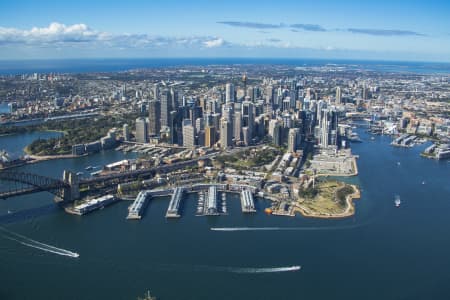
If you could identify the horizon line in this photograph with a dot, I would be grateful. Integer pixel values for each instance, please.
(224, 57)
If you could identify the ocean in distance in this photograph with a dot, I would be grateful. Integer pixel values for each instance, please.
(12, 67)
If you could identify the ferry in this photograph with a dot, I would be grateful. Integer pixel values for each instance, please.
(397, 201)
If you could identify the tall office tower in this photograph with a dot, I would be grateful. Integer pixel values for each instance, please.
(259, 108)
(126, 132)
(250, 93)
(210, 136)
(328, 128)
(173, 126)
(237, 126)
(260, 127)
(166, 104)
(287, 121)
(293, 139)
(338, 95)
(269, 95)
(293, 86)
(308, 93)
(246, 136)
(365, 92)
(286, 104)
(229, 93)
(248, 118)
(141, 130)
(225, 133)
(155, 92)
(215, 120)
(199, 124)
(174, 97)
(188, 134)
(213, 106)
(275, 132)
(154, 117)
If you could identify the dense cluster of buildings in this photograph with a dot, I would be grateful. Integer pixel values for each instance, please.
(283, 112)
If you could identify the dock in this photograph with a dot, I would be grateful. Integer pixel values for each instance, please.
(247, 202)
(135, 210)
(174, 205)
(211, 202)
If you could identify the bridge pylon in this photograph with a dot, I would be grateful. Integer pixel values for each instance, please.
(72, 192)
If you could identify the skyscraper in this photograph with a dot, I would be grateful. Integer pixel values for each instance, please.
(154, 117)
(188, 134)
(237, 126)
(225, 133)
(126, 132)
(166, 104)
(229, 93)
(293, 139)
(141, 130)
(328, 127)
(338, 95)
(248, 119)
(275, 132)
(210, 136)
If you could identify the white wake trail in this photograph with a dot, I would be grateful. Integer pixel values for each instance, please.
(264, 270)
(37, 245)
(280, 228)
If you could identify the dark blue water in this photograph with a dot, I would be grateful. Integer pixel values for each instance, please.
(113, 65)
(4, 109)
(382, 252)
(15, 143)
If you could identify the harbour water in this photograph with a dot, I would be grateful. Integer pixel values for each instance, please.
(382, 252)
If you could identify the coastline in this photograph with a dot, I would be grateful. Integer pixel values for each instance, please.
(349, 209)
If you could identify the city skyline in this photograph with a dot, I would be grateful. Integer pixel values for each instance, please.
(415, 31)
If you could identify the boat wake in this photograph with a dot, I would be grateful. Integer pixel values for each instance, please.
(23, 240)
(264, 270)
(282, 228)
(228, 269)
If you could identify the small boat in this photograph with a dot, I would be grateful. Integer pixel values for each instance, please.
(89, 168)
(9, 212)
(398, 163)
(423, 182)
(79, 173)
(397, 201)
(372, 138)
(268, 211)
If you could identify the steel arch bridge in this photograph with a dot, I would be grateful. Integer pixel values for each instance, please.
(31, 183)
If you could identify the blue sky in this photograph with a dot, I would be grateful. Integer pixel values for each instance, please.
(384, 30)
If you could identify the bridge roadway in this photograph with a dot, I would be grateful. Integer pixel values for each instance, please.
(145, 172)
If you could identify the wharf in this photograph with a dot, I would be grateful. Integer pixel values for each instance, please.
(247, 202)
(136, 208)
(174, 205)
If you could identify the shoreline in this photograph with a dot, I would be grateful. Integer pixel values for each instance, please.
(348, 211)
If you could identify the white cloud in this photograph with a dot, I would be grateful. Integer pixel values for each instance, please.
(214, 43)
(57, 34)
